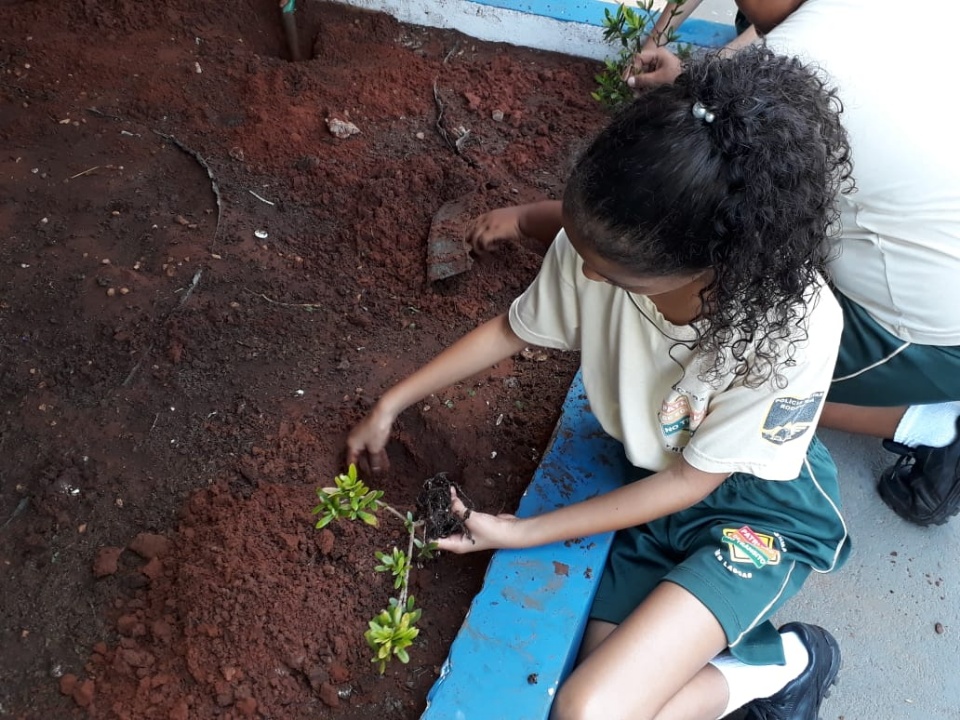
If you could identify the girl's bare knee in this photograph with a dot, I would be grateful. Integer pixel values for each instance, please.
(585, 701)
(572, 704)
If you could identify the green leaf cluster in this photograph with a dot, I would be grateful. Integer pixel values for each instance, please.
(627, 28)
(392, 631)
(425, 549)
(397, 563)
(350, 498)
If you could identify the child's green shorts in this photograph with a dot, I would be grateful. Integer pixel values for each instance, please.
(743, 552)
(878, 369)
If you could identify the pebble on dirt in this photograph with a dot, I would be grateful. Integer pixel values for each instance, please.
(342, 128)
(106, 561)
(329, 695)
(150, 545)
(153, 569)
(81, 692)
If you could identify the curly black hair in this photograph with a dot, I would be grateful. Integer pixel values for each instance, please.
(750, 195)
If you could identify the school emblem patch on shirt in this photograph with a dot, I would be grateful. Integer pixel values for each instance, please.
(789, 418)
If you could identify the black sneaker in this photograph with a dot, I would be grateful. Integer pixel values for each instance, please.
(923, 486)
(801, 697)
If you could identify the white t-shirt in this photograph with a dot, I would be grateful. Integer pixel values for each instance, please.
(643, 384)
(899, 250)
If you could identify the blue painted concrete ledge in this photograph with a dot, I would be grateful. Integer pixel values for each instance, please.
(522, 632)
(571, 27)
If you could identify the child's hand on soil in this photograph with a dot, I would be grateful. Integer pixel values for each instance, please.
(657, 66)
(484, 532)
(486, 233)
(366, 443)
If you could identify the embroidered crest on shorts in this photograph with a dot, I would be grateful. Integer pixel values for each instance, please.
(747, 546)
(790, 418)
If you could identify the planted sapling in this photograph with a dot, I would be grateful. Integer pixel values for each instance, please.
(629, 28)
(394, 628)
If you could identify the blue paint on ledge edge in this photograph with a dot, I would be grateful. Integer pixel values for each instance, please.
(704, 33)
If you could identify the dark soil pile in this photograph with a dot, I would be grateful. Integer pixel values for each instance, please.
(202, 290)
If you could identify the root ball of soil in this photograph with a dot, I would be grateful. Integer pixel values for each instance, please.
(433, 507)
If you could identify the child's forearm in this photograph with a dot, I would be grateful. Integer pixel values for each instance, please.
(671, 17)
(541, 220)
(744, 39)
(657, 496)
(474, 352)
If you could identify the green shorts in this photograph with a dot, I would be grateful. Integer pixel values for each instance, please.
(878, 369)
(743, 552)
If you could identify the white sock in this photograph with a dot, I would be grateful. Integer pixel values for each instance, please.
(749, 682)
(930, 425)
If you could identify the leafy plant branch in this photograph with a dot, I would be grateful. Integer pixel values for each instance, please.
(393, 629)
(628, 29)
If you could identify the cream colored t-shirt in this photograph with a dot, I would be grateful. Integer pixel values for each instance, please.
(898, 254)
(642, 381)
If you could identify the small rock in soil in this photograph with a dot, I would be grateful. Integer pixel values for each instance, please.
(338, 673)
(342, 128)
(130, 625)
(938, 628)
(106, 561)
(327, 540)
(83, 693)
(247, 706)
(180, 711)
(67, 683)
(329, 695)
(153, 569)
(149, 545)
(317, 677)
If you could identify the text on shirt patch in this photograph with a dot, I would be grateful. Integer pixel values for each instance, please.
(681, 413)
(789, 418)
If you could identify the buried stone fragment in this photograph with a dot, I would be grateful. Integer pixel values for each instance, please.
(342, 128)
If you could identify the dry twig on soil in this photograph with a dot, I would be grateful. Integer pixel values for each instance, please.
(462, 136)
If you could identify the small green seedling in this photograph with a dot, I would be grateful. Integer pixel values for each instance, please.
(394, 628)
(396, 563)
(350, 498)
(627, 28)
(392, 632)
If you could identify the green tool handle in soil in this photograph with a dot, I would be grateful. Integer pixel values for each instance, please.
(290, 28)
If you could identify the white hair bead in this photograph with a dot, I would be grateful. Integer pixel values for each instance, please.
(701, 113)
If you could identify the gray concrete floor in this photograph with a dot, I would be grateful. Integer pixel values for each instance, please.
(885, 607)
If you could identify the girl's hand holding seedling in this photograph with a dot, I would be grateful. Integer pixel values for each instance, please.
(483, 531)
(653, 67)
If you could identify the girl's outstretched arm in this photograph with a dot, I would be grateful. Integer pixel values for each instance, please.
(670, 18)
(664, 493)
(540, 221)
(476, 351)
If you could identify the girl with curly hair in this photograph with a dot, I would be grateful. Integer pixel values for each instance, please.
(686, 271)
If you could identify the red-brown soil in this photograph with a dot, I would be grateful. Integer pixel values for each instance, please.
(174, 388)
